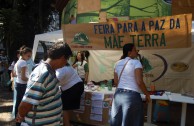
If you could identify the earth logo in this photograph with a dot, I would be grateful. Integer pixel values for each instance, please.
(81, 38)
(145, 63)
(148, 67)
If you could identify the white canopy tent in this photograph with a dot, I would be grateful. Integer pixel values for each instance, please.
(50, 37)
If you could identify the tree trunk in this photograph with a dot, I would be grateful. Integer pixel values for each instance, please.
(60, 18)
(40, 16)
(15, 4)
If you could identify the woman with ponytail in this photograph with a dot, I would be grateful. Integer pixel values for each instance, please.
(22, 76)
(127, 106)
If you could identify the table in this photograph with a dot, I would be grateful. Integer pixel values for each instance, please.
(149, 111)
(103, 91)
(175, 97)
(85, 116)
(94, 107)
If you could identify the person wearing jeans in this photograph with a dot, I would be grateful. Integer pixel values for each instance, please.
(127, 105)
(127, 108)
(20, 88)
(22, 76)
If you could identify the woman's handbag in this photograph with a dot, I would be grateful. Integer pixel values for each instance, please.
(122, 71)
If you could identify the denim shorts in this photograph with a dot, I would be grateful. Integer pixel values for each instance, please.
(127, 108)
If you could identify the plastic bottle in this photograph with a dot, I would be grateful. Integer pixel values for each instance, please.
(109, 84)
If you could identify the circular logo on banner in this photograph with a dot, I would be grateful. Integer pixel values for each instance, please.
(179, 67)
(147, 66)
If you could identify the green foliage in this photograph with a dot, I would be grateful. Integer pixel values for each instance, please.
(11, 26)
(22, 19)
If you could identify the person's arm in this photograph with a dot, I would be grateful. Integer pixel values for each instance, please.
(115, 79)
(35, 88)
(23, 74)
(74, 65)
(86, 77)
(23, 109)
(86, 68)
(141, 84)
(13, 74)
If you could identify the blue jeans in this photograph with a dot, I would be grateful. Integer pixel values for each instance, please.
(20, 91)
(127, 108)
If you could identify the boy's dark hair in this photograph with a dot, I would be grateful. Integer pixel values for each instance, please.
(59, 49)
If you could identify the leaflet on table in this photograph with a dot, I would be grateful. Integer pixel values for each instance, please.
(96, 110)
(97, 103)
(96, 117)
(97, 96)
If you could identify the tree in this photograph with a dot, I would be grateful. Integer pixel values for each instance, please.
(11, 27)
(22, 19)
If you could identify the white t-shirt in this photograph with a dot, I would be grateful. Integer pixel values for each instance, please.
(68, 77)
(127, 79)
(80, 69)
(18, 66)
(11, 67)
(30, 65)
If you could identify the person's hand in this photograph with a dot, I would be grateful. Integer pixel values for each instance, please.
(19, 119)
(75, 65)
(147, 98)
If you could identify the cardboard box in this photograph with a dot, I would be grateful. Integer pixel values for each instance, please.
(95, 111)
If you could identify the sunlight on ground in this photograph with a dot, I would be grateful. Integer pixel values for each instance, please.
(6, 104)
(5, 117)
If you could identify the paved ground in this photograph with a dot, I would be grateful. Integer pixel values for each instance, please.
(6, 104)
(175, 111)
(175, 115)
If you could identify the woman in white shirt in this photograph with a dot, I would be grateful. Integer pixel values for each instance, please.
(72, 88)
(81, 66)
(13, 78)
(22, 76)
(127, 106)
